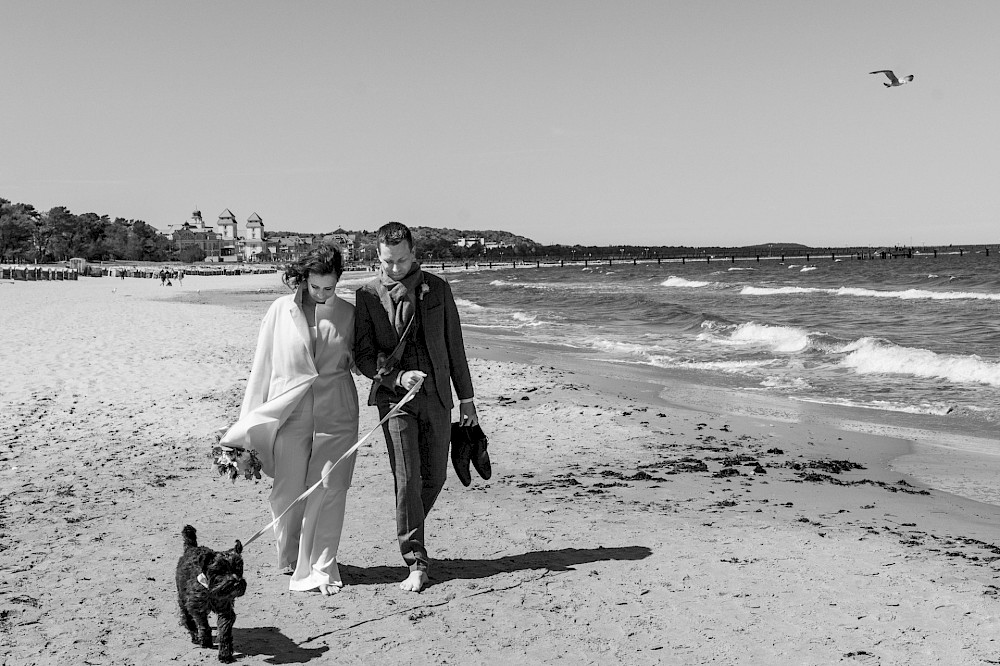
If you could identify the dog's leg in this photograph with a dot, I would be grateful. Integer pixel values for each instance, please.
(204, 631)
(188, 623)
(226, 620)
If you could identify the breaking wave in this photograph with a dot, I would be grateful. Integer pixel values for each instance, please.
(905, 294)
(874, 356)
(775, 338)
(674, 281)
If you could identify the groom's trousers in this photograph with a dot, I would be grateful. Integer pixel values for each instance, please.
(417, 440)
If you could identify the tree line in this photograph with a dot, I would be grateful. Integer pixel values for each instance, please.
(31, 236)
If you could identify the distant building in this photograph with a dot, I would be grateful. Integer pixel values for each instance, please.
(346, 243)
(468, 241)
(289, 247)
(193, 232)
(253, 243)
(226, 244)
(229, 248)
(270, 249)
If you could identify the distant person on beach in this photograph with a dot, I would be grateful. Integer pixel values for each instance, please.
(163, 276)
(405, 304)
(180, 277)
(300, 415)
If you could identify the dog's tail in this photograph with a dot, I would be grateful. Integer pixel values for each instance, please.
(190, 537)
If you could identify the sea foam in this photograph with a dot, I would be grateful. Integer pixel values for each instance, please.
(674, 281)
(769, 291)
(738, 367)
(619, 347)
(785, 383)
(937, 409)
(873, 356)
(468, 305)
(776, 338)
(904, 294)
(915, 294)
(528, 319)
(528, 285)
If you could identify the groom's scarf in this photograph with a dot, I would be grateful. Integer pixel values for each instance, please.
(403, 294)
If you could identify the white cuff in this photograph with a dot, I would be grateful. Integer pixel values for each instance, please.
(466, 401)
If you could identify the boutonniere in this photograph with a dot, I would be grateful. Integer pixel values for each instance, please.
(423, 289)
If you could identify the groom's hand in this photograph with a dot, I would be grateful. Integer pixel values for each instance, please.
(409, 379)
(467, 415)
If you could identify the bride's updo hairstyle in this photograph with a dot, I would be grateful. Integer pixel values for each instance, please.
(324, 260)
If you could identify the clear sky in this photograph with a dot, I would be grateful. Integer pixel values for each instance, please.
(649, 122)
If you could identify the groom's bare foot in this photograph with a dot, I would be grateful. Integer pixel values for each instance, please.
(415, 582)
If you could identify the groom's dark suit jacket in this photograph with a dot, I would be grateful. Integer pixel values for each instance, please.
(441, 335)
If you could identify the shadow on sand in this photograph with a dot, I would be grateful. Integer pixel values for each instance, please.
(254, 641)
(444, 570)
(460, 569)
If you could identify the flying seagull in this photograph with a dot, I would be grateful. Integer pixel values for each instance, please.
(893, 81)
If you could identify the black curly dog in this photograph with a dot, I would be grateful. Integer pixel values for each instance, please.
(209, 581)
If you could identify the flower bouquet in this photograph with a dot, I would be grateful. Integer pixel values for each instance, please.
(236, 462)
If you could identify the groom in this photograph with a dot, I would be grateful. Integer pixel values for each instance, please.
(406, 327)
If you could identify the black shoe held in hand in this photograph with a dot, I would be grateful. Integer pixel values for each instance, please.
(461, 452)
(480, 456)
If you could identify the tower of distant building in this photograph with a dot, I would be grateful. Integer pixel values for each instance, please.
(226, 244)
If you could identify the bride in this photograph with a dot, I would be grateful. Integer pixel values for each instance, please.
(300, 414)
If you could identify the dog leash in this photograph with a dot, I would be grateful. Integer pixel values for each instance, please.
(309, 491)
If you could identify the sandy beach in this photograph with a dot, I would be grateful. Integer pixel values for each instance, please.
(623, 524)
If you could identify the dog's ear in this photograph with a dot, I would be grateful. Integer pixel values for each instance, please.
(205, 559)
(238, 548)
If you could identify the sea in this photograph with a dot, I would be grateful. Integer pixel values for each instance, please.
(906, 335)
